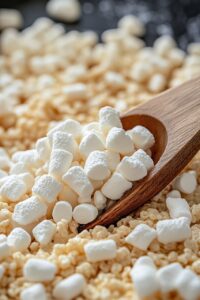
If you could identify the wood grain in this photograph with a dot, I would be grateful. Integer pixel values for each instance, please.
(174, 119)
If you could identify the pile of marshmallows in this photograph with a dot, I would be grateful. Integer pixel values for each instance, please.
(73, 173)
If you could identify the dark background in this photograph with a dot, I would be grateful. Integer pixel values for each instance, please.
(179, 18)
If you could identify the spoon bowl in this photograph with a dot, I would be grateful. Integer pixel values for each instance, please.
(173, 117)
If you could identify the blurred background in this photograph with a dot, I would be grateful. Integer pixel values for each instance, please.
(179, 18)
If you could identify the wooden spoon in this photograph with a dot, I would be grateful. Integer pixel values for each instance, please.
(174, 119)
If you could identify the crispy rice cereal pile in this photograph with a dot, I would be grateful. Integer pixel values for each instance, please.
(47, 76)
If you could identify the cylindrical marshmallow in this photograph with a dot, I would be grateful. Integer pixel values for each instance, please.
(100, 250)
(44, 232)
(90, 143)
(108, 118)
(85, 213)
(185, 183)
(142, 137)
(119, 141)
(132, 169)
(178, 207)
(19, 239)
(60, 161)
(36, 269)
(96, 166)
(144, 158)
(62, 210)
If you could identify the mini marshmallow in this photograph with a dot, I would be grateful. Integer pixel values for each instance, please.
(176, 230)
(146, 261)
(78, 181)
(167, 276)
(28, 179)
(188, 285)
(99, 200)
(2, 270)
(144, 158)
(108, 118)
(62, 210)
(18, 168)
(85, 213)
(60, 161)
(36, 291)
(29, 211)
(43, 148)
(96, 166)
(119, 141)
(91, 127)
(185, 183)
(116, 186)
(76, 91)
(174, 194)
(29, 157)
(132, 169)
(178, 207)
(144, 279)
(19, 239)
(141, 237)
(4, 250)
(64, 141)
(100, 250)
(44, 232)
(10, 18)
(68, 126)
(69, 288)
(47, 188)
(13, 188)
(3, 238)
(142, 137)
(113, 160)
(90, 143)
(68, 195)
(36, 269)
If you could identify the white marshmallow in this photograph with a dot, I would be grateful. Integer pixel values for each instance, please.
(146, 261)
(2, 270)
(96, 166)
(176, 230)
(69, 126)
(97, 184)
(43, 148)
(144, 279)
(99, 200)
(141, 237)
(108, 118)
(185, 183)
(10, 18)
(60, 161)
(76, 91)
(13, 188)
(29, 211)
(44, 232)
(144, 158)
(116, 186)
(68, 195)
(78, 181)
(119, 141)
(142, 137)
(3, 238)
(4, 250)
(188, 285)
(113, 159)
(36, 269)
(167, 276)
(84, 199)
(85, 213)
(69, 288)
(64, 141)
(90, 143)
(178, 207)
(19, 168)
(36, 291)
(4, 161)
(174, 194)
(29, 157)
(91, 127)
(132, 169)
(62, 210)
(47, 188)
(28, 179)
(100, 250)
(19, 239)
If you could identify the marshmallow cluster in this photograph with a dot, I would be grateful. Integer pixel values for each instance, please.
(173, 277)
(74, 172)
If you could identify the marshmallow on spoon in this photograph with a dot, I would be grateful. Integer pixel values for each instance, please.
(113, 159)
(90, 143)
(142, 137)
(144, 158)
(109, 118)
(77, 179)
(69, 126)
(115, 187)
(96, 166)
(119, 141)
(132, 169)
